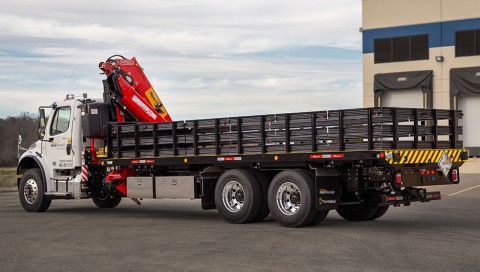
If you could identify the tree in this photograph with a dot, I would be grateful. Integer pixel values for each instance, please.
(26, 125)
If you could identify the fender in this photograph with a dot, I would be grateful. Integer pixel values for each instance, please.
(29, 161)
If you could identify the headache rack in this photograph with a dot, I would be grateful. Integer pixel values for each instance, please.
(319, 131)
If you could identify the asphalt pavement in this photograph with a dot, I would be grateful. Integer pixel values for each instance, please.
(177, 235)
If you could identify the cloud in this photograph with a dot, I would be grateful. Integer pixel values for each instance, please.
(204, 57)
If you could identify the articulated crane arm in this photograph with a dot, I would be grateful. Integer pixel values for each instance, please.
(128, 90)
(132, 98)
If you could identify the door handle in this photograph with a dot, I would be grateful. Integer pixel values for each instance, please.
(50, 139)
(69, 148)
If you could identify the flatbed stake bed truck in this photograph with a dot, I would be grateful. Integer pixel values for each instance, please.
(295, 166)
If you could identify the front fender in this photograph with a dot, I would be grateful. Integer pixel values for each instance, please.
(32, 159)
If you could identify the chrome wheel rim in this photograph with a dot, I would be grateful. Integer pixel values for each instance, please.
(30, 191)
(288, 198)
(233, 196)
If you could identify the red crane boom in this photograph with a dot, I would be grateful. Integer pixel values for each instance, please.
(131, 93)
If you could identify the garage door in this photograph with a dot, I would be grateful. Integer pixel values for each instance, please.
(412, 98)
(470, 105)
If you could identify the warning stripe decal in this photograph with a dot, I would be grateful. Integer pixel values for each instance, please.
(438, 156)
(412, 157)
(424, 156)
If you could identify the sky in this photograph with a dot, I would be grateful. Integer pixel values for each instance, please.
(205, 58)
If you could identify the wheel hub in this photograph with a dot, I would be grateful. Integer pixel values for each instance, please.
(233, 196)
(288, 198)
(30, 191)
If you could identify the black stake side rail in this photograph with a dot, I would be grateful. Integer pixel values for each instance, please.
(366, 129)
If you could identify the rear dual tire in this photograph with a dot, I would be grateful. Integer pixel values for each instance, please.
(238, 196)
(291, 199)
(243, 196)
(264, 182)
(380, 212)
(361, 212)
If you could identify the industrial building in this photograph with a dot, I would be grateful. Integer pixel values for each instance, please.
(425, 54)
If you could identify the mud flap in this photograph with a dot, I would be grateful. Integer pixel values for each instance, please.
(208, 194)
(327, 188)
(209, 178)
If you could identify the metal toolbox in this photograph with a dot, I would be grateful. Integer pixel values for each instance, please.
(140, 187)
(178, 187)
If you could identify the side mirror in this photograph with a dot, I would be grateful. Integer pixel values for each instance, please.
(42, 123)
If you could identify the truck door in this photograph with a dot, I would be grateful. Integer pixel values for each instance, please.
(58, 135)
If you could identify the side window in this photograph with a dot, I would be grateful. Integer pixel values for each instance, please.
(467, 43)
(61, 121)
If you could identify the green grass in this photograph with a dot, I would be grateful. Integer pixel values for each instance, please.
(8, 177)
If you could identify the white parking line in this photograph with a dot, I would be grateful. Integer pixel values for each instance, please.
(464, 190)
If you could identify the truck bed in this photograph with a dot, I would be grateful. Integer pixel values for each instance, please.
(365, 129)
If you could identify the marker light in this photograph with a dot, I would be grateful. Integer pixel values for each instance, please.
(398, 178)
(455, 175)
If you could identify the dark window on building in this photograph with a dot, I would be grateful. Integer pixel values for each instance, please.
(383, 50)
(467, 43)
(419, 49)
(401, 49)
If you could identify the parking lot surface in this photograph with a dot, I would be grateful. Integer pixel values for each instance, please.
(177, 235)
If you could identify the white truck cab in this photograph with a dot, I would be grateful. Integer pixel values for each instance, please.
(53, 163)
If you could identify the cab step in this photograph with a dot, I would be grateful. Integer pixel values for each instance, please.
(65, 179)
(59, 195)
(62, 178)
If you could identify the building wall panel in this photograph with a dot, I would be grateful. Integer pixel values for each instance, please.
(460, 9)
(388, 13)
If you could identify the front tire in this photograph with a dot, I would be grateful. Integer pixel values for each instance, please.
(32, 191)
(107, 202)
(291, 198)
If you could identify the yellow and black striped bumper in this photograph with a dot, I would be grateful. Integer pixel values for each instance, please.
(423, 156)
